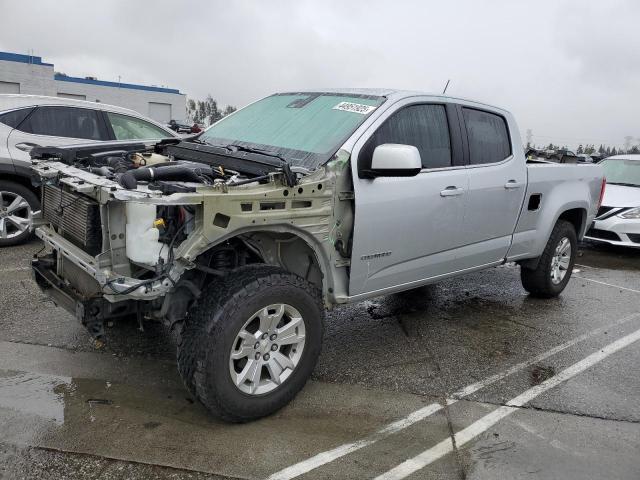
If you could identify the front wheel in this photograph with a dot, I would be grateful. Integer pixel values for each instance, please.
(555, 266)
(256, 341)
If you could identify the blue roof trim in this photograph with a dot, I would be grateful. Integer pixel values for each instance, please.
(103, 83)
(18, 57)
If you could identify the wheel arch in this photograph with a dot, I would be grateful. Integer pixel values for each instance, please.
(24, 180)
(578, 218)
(291, 248)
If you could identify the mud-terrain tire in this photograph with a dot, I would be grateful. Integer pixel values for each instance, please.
(555, 266)
(187, 342)
(220, 328)
(9, 192)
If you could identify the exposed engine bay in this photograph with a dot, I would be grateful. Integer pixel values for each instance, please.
(133, 163)
(139, 229)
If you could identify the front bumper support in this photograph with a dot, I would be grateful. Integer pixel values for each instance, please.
(89, 311)
(111, 283)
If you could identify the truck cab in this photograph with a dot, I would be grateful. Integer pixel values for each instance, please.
(458, 213)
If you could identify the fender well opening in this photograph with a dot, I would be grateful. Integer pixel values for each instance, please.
(288, 251)
(577, 217)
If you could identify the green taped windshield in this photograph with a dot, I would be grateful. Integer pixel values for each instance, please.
(304, 128)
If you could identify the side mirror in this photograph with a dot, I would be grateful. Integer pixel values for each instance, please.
(394, 160)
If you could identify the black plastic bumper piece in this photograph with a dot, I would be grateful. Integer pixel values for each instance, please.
(88, 310)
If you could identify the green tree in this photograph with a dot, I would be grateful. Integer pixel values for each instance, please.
(206, 111)
(580, 149)
(201, 112)
(214, 113)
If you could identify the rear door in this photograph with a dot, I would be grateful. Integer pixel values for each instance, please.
(497, 185)
(407, 229)
(55, 126)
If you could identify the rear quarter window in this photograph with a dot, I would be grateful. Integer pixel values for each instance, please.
(14, 118)
(487, 135)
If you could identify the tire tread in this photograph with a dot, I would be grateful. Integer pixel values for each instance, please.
(537, 281)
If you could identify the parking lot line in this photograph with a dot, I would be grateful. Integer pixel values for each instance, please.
(438, 451)
(607, 284)
(328, 456)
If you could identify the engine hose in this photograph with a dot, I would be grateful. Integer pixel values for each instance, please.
(178, 173)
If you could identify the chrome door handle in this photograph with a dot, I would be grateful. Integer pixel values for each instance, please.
(512, 184)
(451, 191)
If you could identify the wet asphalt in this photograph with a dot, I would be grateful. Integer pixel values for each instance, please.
(71, 409)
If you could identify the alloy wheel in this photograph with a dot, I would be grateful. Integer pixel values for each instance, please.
(15, 215)
(560, 261)
(267, 349)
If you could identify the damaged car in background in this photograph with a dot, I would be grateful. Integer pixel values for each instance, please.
(241, 237)
(618, 219)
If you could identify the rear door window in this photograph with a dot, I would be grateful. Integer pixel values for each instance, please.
(14, 118)
(424, 126)
(487, 135)
(68, 122)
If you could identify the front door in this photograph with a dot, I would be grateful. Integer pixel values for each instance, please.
(407, 229)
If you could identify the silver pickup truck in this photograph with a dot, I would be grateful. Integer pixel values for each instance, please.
(240, 237)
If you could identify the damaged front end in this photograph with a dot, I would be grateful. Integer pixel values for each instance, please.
(133, 231)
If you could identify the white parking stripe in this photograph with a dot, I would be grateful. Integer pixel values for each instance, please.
(328, 456)
(607, 284)
(585, 266)
(438, 451)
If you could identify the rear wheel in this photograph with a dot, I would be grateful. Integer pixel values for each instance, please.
(555, 266)
(17, 205)
(254, 342)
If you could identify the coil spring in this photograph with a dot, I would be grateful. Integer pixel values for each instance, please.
(223, 259)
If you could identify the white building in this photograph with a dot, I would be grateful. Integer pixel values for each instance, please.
(30, 75)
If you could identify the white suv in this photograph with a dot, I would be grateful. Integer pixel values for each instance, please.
(27, 121)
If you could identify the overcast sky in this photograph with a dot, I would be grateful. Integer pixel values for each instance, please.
(569, 69)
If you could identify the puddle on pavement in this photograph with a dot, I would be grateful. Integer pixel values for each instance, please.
(65, 400)
(34, 394)
(164, 426)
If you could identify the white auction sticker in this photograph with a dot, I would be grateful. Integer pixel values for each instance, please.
(355, 108)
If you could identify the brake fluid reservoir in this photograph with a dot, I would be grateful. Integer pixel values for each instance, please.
(142, 237)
